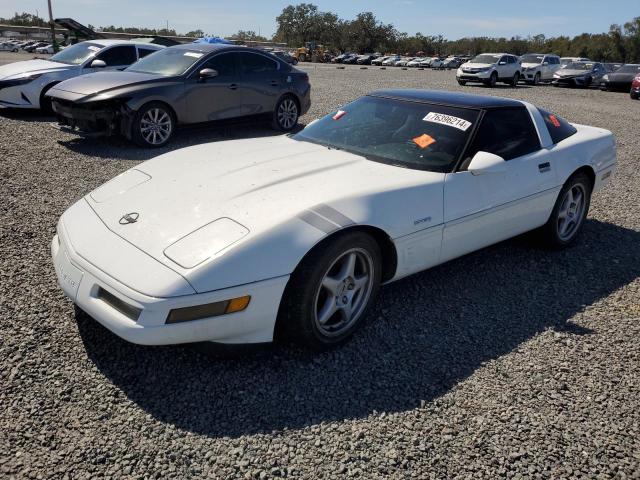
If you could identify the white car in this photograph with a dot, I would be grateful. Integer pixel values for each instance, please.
(539, 67)
(45, 49)
(437, 62)
(567, 60)
(8, 47)
(391, 61)
(23, 84)
(490, 68)
(241, 240)
(415, 63)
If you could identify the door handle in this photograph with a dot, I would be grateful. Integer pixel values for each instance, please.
(544, 167)
(233, 86)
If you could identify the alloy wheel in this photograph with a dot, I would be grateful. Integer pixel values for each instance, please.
(287, 114)
(344, 292)
(571, 212)
(156, 126)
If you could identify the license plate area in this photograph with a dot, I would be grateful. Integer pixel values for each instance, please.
(69, 276)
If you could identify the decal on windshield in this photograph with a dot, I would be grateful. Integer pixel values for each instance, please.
(450, 120)
(424, 140)
(193, 54)
(339, 114)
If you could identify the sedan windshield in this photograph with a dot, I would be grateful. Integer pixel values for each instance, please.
(486, 59)
(579, 66)
(407, 134)
(76, 54)
(629, 69)
(166, 62)
(532, 58)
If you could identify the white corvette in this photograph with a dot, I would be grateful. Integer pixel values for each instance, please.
(238, 240)
(23, 84)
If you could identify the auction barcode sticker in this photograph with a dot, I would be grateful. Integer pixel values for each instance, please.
(450, 120)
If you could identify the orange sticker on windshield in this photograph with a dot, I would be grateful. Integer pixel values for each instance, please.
(339, 114)
(424, 140)
(554, 120)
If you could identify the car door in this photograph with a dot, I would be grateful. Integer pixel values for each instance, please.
(503, 68)
(214, 98)
(117, 57)
(260, 82)
(480, 210)
(553, 67)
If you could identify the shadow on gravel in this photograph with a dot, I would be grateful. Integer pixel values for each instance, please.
(426, 334)
(118, 147)
(26, 115)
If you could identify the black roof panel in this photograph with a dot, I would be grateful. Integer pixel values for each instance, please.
(454, 99)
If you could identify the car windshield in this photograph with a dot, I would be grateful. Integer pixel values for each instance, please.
(402, 133)
(484, 58)
(532, 58)
(629, 69)
(166, 62)
(76, 54)
(579, 66)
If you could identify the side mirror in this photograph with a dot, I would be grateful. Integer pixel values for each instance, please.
(545, 63)
(207, 73)
(484, 163)
(97, 63)
(502, 63)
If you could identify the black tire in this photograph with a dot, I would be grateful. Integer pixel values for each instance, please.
(515, 79)
(536, 78)
(294, 61)
(633, 95)
(45, 102)
(550, 232)
(493, 79)
(298, 313)
(166, 123)
(286, 114)
(462, 82)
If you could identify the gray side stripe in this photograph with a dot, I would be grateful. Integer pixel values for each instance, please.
(317, 221)
(332, 214)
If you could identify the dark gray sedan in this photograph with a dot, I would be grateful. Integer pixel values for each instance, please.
(182, 85)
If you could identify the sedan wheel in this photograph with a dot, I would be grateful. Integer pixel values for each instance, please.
(286, 114)
(536, 79)
(330, 291)
(153, 126)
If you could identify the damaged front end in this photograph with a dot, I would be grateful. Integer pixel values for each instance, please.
(98, 118)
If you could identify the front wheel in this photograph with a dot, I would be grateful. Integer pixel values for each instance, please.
(493, 79)
(153, 125)
(536, 78)
(569, 212)
(462, 82)
(329, 293)
(285, 115)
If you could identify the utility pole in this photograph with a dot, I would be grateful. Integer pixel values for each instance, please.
(53, 28)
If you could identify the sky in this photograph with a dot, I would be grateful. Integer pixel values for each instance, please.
(451, 18)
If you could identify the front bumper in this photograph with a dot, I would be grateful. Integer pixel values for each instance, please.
(18, 96)
(105, 118)
(470, 76)
(570, 81)
(85, 284)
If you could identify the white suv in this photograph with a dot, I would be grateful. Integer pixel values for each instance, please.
(490, 68)
(539, 67)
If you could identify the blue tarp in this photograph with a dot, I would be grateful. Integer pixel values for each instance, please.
(212, 40)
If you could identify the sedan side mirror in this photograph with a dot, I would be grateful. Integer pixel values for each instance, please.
(545, 63)
(502, 63)
(97, 63)
(484, 163)
(207, 73)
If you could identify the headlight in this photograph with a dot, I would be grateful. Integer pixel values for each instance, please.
(605, 78)
(555, 75)
(19, 81)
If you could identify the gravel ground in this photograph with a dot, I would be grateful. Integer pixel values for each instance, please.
(512, 362)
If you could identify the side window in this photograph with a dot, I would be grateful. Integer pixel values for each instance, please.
(503, 59)
(252, 64)
(508, 132)
(558, 127)
(511, 59)
(118, 56)
(225, 64)
(143, 52)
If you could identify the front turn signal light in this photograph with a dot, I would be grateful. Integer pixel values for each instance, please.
(198, 312)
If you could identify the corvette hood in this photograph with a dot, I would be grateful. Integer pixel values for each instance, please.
(241, 187)
(19, 69)
(102, 82)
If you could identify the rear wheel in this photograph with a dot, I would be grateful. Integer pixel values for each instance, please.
(153, 125)
(329, 293)
(569, 212)
(286, 113)
(515, 79)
